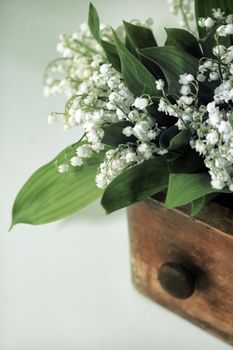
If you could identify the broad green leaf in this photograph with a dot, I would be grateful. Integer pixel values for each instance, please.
(173, 62)
(183, 40)
(137, 77)
(179, 142)
(112, 54)
(93, 22)
(136, 184)
(109, 49)
(49, 196)
(203, 8)
(167, 136)
(199, 203)
(185, 188)
(113, 135)
(138, 37)
(186, 162)
(152, 67)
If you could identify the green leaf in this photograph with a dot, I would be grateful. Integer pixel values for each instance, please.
(199, 203)
(137, 77)
(186, 162)
(113, 135)
(203, 8)
(112, 54)
(138, 37)
(152, 67)
(109, 49)
(93, 22)
(179, 142)
(167, 136)
(173, 62)
(183, 40)
(136, 184)
(185, 188)
(49, 196)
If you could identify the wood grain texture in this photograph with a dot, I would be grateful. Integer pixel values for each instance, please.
(159, 235)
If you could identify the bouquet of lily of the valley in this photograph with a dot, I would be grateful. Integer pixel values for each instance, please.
(154, 118)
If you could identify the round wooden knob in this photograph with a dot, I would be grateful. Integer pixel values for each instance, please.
(177, 280)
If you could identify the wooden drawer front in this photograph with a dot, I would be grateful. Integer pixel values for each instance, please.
(158, 236)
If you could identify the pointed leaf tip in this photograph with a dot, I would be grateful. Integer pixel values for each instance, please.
(11, 227)
(93, 22)
(49, 196)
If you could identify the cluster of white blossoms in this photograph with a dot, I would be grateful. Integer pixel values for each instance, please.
(98, 98)
(117, 160)
(211, 125)
(186, 9)
(223, 22)
(81, 55)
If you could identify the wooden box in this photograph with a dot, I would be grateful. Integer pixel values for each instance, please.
(165, 244)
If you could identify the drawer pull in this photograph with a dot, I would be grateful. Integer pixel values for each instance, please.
(177, 280)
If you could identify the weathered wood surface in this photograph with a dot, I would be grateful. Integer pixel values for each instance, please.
(159, 235)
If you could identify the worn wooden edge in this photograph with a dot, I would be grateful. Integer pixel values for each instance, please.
(212, 214)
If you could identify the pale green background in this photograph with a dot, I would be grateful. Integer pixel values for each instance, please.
(66, 286)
